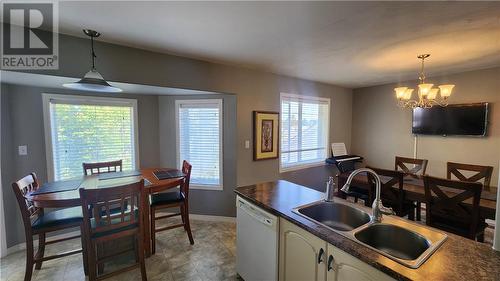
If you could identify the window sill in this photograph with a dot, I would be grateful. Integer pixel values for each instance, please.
(301, 166)
(205, 187)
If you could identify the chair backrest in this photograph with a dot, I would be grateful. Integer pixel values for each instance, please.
(110, 208)
(23, 188)
(445, 200)
(391, 186)
(102, 167)
(404, 164)
(186, 170)
(479, 173)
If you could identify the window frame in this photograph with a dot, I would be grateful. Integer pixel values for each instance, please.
(87, 100)
(220, 104)
(301, 166)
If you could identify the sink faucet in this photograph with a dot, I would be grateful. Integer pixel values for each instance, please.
(329, 192)
(377, 207)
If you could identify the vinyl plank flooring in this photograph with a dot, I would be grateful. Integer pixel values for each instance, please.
(212, 257)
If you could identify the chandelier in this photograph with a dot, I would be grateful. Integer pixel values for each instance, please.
(427, 95)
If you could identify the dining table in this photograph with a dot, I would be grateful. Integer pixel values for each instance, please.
(414, 191)
(65, 194)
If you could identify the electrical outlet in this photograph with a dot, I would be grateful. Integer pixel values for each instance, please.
(23, 150)
(247, 144)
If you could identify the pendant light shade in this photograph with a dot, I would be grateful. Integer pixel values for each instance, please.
(93, 80)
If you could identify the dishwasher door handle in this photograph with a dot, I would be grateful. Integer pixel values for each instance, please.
(254, 213)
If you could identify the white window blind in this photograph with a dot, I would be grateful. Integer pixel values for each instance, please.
(304, 130)
(199, 140)
(86, 130)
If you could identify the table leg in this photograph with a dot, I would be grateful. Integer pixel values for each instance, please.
(147, 227)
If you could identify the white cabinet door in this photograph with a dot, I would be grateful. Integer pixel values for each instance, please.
(302, 255)
(344, 267)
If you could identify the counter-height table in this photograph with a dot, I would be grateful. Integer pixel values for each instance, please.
(415, 191)
(64, 194)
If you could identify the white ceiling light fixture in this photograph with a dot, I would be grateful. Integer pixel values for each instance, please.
(427, 96)
(93, 80)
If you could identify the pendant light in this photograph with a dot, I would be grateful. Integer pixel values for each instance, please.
(93, 80)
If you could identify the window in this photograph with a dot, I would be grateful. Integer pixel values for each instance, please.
(304, 131)
(88, 129)
(199, 140)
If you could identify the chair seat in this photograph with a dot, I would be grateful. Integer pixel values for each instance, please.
(59, 218)
(166, 198)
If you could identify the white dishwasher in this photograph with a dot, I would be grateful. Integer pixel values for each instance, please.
(257, 242)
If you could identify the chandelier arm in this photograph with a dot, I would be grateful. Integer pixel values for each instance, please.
(402, 103)
(411, 103)
(441, 102)
(430, 103)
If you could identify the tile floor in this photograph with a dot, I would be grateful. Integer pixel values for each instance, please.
(212, 257)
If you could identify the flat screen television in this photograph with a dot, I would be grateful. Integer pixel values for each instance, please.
(452, 120)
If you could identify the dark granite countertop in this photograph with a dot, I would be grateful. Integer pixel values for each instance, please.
(457, 259)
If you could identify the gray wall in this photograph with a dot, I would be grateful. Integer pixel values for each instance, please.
(208, 202)
(13, 221)
(261, 91)
(22, 124)
(382, 130)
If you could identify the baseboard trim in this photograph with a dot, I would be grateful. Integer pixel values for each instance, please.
(200, 217)
(22, 246)
(212, 218)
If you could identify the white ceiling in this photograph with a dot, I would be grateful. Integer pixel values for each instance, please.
(351, 44)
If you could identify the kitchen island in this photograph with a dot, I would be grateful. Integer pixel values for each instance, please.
(457, 259)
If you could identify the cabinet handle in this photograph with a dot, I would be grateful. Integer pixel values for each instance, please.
(320, 255)
(330, 262)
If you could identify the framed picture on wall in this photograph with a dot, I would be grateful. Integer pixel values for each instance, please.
(265, 135)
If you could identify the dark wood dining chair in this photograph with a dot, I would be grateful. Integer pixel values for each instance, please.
(37, 222)
(165, 200)
(392, 192)
(413, 168)
(479, 173)
(101, 225)
(448, 210)
(102, 167)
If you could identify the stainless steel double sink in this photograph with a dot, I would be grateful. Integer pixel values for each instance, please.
(398, 239)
